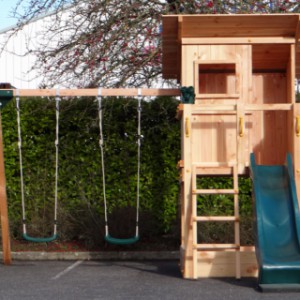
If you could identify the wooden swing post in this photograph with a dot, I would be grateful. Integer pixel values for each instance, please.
(3, 205)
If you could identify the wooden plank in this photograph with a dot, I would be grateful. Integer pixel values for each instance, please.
(297, 35)
(3, 206)
(194, 225)
(180, 164)
(237, 41)
(214, 171)
(216, 61)
(296, 140)
(239, 25)
(298, 62)
(94, 92)
(214, 164)
(215, 246)
(215, 112)
(215, 191)
(216, 108)
(237, 240)
(170, 48)
(216, 219)
(222, 264)
(217, 96)
(213, 107)
(244, 69)
(189, 55)
(290, 74)
(295, 143)
(268, 107)
(186, 203)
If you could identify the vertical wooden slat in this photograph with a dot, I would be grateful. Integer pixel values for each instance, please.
(296, 150)
(3, 205)
(189, 54)
(195, 225)
(296, 113)
(179, 46)
(236, 223)
(187, 243)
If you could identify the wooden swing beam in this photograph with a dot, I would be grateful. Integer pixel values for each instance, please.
(95, 92)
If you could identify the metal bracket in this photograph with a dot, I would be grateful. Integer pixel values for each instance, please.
(6, 94)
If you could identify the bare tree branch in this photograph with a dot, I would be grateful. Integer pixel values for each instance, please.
(116, 43)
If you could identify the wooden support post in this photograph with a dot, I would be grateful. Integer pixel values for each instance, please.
(3, 205)
(296, 144)
(187, 223)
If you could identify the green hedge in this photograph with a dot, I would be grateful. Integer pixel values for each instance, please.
(81, 209)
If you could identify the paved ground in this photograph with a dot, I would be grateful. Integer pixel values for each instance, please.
(118, 280)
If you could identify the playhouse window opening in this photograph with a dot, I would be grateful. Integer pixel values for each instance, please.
(217, 78)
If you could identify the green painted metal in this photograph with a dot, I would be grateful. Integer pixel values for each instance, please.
(187, 95)
(277, 223)
(39, 239)
(117, 241)
(278, 288)
(5, 97)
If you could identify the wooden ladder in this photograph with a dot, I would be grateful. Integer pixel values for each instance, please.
(215, 169)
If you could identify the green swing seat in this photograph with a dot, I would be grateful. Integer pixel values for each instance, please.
(25, 235)
(39, 239)
(108, 238)
(118, 241)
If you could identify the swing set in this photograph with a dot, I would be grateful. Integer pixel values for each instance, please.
(6, 94)
(25, 234)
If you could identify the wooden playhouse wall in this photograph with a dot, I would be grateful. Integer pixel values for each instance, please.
(215, 137)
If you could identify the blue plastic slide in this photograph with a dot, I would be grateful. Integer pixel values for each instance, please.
(277, 225)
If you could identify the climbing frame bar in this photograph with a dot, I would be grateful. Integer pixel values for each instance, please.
(95, 92)
(196, 246)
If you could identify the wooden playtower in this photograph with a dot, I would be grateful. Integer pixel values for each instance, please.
(243, 69)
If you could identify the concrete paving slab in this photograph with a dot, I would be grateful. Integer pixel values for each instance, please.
(113, 255)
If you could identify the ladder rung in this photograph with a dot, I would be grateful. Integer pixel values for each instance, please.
(216, 246)
(214, 164)
(215, 191)
(216, 219)
(213, 171)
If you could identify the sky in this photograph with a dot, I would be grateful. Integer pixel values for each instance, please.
(6, 7)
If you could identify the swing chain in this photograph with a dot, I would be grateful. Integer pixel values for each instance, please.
(139, 110)
(101, 143)
(25, 236)
(57, 109)
(21, 160)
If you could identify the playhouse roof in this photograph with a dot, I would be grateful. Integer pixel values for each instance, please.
(280, 29)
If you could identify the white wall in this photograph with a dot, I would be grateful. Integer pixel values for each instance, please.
(17, 57)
